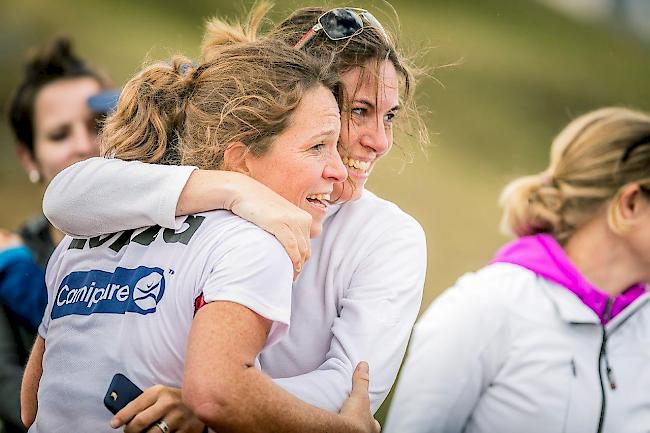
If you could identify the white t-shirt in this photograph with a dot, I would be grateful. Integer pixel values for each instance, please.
(124, 303)
(356, 298)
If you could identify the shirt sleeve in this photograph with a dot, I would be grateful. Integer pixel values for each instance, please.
(451, 360)
(99, 196)
(251, 268)
(376, 316)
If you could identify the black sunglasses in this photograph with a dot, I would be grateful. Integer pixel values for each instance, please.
(341, 23)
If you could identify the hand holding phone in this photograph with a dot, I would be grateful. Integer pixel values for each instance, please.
(120, 392)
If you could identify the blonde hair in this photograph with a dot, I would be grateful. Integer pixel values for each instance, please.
(591, 160)
(243, 90)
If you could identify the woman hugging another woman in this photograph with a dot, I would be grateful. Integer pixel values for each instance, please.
(363, 282)
(195, 306)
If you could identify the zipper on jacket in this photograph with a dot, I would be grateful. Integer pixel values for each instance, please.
(573, 367)
(608, 371)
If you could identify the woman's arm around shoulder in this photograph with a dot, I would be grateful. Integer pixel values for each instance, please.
(100, 196)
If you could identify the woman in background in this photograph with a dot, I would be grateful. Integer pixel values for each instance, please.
(553, 335)
(55, 121)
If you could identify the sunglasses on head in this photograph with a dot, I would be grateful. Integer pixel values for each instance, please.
(341, 23)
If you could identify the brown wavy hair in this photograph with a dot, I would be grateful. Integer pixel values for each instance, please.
(367, 50)
(243, 90)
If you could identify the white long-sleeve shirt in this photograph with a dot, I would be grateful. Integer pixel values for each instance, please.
(356, 299)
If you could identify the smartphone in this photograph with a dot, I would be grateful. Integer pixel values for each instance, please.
(120, 392)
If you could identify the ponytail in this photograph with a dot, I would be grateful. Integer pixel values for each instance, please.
(149, 122)
(531, 205)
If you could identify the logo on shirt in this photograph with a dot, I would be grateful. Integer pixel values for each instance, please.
(125, 290)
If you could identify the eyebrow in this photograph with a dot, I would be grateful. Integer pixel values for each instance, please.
(372, 104)
(324, 133)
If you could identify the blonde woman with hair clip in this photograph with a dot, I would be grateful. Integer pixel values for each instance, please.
(553, 335)
(195, 306)
(363, 283)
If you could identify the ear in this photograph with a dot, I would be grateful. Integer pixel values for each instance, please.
(235, 158)
(26, 159)
(632, 203)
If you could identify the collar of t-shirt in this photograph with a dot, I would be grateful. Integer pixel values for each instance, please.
(543, 255)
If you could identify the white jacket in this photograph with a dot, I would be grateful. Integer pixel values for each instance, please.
(505, 351)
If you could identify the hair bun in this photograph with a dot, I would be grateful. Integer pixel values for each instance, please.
(532, 204)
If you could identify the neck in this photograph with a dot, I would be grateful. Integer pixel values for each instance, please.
(603, 258)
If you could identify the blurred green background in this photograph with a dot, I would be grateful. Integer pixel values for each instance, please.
(520, 72)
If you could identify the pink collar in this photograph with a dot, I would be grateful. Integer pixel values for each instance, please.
(543, 255)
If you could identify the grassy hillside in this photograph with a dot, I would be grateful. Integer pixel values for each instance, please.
(520, 72)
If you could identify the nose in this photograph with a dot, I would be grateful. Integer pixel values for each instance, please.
(334, 169)
(378, 138)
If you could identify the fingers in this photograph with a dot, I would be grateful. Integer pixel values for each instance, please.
(291, 244)
(304, 236)
(295, 240)
(153, 404)
(299, 228)
(357, 406)
(128, 412)
(360, 381)
(148, 418)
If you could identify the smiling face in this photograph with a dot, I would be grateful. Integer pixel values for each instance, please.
(374, 102)
(303, 164)
(65, 129)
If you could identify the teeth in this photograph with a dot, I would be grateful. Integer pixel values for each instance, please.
(320, 197)
(355, 163)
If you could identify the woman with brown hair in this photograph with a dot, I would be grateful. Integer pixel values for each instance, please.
(553, 335)
(195, 306)
(363, 283)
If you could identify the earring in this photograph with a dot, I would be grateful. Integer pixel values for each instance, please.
(34, 176)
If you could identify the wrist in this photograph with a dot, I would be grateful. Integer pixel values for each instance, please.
(231, 184)
(207, 190)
